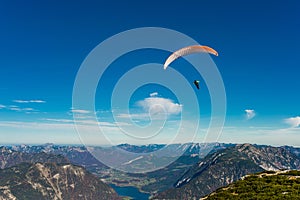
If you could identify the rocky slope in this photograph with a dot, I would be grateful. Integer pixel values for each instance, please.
(52, 181)
(223, 167)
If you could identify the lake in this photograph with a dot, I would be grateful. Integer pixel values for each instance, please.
(130, 191)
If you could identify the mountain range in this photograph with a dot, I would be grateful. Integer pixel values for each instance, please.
(200, 170)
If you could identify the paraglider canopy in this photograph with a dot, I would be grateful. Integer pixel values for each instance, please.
(196, 83)
(189, 50)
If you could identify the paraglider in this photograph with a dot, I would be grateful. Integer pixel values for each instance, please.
(196, 83)
(189, 50)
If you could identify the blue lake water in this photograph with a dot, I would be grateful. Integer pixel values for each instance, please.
(132, 192)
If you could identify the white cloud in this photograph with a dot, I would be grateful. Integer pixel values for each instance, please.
(293, 121)
(67, 123)
(154, 94)
(60, 120)
(17, 108)
(27, 109)
(250, 114)
(13, 106)
(80, 111)
(81, 122)
(2, 106)
(159, 105)
(29, 101)
(134, 116)
(149, 109)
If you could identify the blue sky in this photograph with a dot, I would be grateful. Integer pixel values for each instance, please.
(43, 45)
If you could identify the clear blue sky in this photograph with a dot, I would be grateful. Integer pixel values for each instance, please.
(43, 44)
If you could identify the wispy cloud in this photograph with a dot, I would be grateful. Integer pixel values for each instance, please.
(29, 101)
(91, 122)
(133, 116)
(21, 109)
(293, 121)
(250, 114)
(80, 111)
(56, 125)
(59, 120)
(37, 125)
(27, 110)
